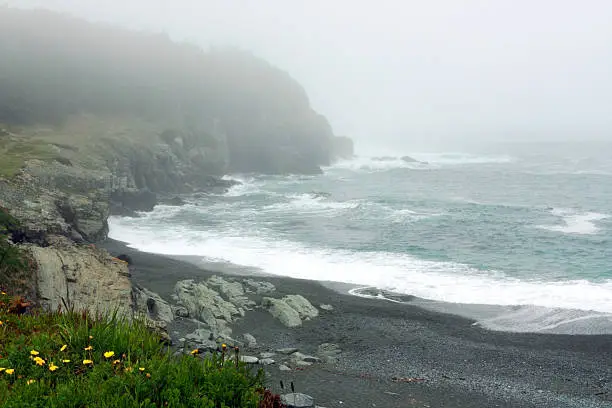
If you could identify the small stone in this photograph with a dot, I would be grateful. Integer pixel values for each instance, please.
(266, 361)
(287, 350)
(249, 340)
(297, 400)
(328, 308)
(283, 367)
(249, 359)
(267, 355)
(302, 363)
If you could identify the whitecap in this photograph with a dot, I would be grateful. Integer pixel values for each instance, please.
(575, 222)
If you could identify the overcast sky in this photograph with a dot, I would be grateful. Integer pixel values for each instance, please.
(412, 70)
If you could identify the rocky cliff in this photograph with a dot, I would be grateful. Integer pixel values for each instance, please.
(97, 120)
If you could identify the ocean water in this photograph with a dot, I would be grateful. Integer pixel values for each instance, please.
(513, 224)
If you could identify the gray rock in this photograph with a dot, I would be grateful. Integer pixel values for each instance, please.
(327, 308)
(302, 363)
(297, 400)
(280, 310)
(283, 367)
(249, 340)
(297, 356)
(329, 352)
(203, 303)
(287, 350)
(181, 311)
(266, 361)
(227, 288)
(301, 305)
(151, 305)
(259, 287)
(267, 355)
(249, 359)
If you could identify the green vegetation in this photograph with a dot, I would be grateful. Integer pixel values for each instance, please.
(77, 360)
(16, 266)
(15, 152)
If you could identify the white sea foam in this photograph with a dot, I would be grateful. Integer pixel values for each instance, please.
(247, 186)
(444, 281)
(575, 222)
(424, 161)
(310, 203)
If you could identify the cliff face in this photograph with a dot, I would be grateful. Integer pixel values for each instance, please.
(96, 120)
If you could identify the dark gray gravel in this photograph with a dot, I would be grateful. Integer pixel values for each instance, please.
(462, 365)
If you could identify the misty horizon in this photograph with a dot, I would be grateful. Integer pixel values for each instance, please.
(412, 75)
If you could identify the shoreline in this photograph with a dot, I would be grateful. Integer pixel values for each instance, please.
(462, 365)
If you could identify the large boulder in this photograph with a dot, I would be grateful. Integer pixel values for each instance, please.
(301, 305)
(81, 277)
(281, 310)
(203, 303)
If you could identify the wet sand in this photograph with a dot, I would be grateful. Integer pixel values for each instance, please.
(458, 364)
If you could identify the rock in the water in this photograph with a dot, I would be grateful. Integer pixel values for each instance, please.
(287, 350)
(409, 159)
(327, 308)
(297, 400)
(266, 361)
(249, 359)
(151, 305)
(249, 340)
(301, 305)
(283, 312)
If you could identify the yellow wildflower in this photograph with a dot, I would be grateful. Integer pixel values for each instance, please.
(224, 346)
(1, 323)
(116, 362)
(2, 369)
(65, 361)
(109, 354)
(53, 367)
(148, 375)
(88, 348)
(196, 351)
(86, 362)
(64, 347)
(2, 293)
(39, 361)
(141, 369)
(34, 353)
(9, 371)
(30, 382)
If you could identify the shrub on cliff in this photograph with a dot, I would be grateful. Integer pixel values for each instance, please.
(75, 359)
(16, 266)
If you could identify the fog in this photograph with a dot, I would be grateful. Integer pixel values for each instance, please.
(416, 73)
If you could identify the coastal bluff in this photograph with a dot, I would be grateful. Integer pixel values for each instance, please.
(169, 119)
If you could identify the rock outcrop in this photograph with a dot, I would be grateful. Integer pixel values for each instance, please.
(81, 277)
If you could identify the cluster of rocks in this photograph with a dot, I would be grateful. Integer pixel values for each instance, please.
(216, 303)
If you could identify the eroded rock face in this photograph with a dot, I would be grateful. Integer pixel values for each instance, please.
(151, 305)
(82, 277)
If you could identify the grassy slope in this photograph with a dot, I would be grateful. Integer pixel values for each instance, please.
(84, 140)
(75, 360)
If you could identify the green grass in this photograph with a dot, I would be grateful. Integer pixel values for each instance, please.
(15, 152)
(58, 360)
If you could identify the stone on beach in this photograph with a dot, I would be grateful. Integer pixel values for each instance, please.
(297, 400)
(291, 309)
